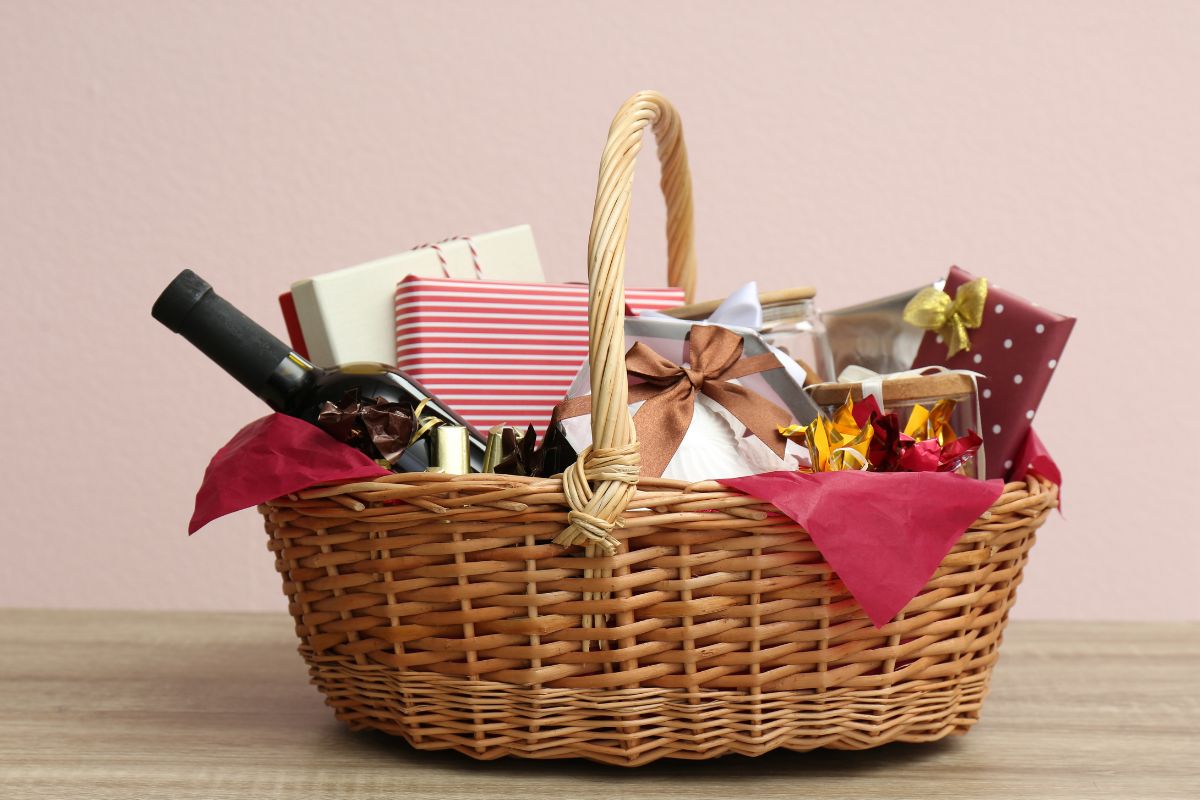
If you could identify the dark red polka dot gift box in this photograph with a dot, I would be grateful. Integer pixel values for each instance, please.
(1015, 343)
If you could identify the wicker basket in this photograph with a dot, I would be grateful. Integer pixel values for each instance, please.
(456, 612)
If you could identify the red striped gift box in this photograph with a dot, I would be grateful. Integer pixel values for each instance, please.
(500, 352)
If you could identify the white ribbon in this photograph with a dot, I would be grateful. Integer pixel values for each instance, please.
(741, 309)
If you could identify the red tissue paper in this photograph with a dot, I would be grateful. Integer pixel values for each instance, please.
(271, 457)
(1035, 459)
(884, 533)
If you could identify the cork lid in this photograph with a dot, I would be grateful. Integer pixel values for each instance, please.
(924, 389)
(772, 298)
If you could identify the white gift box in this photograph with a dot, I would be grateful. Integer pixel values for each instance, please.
(349, 315)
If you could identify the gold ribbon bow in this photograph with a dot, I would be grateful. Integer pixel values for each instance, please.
(933, 310)
(670, 394)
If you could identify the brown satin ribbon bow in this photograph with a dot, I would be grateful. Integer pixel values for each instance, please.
(670, 394)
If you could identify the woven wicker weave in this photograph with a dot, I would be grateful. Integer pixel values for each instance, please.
(453, 610)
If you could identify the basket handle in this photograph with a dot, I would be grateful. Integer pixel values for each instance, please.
(612, 462)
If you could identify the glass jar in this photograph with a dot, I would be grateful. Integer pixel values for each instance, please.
(902, 394)
(793, 324)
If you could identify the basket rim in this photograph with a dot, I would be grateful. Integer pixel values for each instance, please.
(1015, 493)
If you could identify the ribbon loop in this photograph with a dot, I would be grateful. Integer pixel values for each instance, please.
(934, 310)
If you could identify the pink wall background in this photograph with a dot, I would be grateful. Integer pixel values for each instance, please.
(1052, 147)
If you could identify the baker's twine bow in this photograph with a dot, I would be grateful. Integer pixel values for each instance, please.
(934, 310)
(445, 265)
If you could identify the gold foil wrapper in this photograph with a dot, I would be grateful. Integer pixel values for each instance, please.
(495, 452)
(452, 449)
(840, 442)
(933, 423)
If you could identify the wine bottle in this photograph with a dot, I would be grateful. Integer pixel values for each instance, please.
(283, 379)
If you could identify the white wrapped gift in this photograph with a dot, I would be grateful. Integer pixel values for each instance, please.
(716, 444)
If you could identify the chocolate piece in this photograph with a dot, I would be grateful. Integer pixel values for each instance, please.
(519, 451)
(380, 429)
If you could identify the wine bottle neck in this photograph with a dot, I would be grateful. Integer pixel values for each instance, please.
(286, 388)
(243, 348)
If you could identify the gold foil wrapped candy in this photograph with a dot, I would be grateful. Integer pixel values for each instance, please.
(931, 423)
(835, 443)
(860, 437)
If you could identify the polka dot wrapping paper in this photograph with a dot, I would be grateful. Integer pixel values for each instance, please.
(1017, 346)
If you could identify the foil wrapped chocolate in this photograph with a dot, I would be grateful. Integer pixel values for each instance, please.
(382, 430)
(451, 450)
(554, 454)
(511, 451)
(859, 436)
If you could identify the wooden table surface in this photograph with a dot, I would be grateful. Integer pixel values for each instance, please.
(180, 705)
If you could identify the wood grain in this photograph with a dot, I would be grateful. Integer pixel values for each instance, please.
(182, 705)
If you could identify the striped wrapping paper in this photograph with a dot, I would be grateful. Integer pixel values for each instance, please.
(500, 352)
